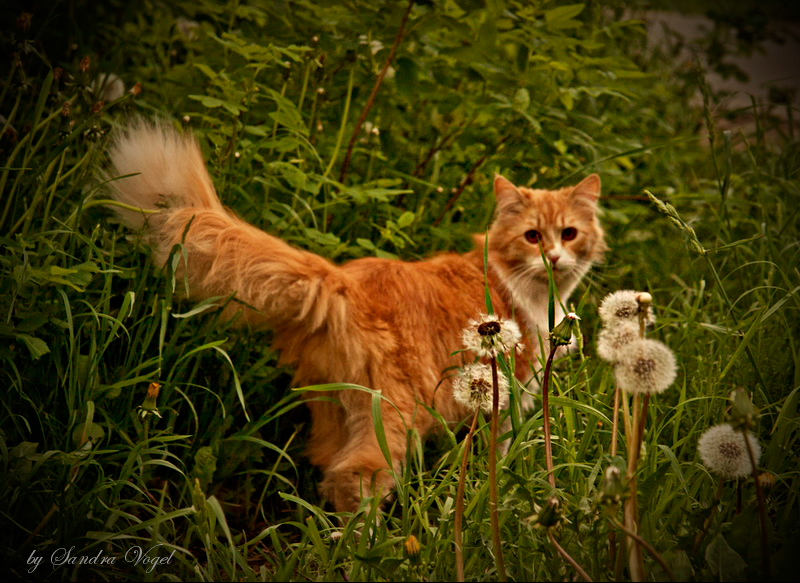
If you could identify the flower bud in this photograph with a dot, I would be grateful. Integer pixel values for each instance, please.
(550, 514)
(149, 406)
(562, 334)
(613, 488)
(742, 412)
(412, 548)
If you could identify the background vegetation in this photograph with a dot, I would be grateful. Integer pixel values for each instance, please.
(541, 91)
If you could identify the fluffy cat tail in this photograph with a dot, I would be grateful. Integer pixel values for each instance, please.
(160, 175)
(154, 167)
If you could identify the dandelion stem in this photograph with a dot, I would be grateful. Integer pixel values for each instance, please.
(493, 517)
(642, 419)
(612, 535)
(458, 535)
(567, 556)
(658, 558)
(762, 511)
(615, 423)
(548, 446)
(635, 562)
(698, 539)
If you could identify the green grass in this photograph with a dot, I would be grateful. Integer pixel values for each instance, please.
(542, 94)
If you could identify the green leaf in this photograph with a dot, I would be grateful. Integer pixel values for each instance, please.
(31, 323)
(522, 99)
(562, 17)
(366, 244)
(207, 71)
(567, 100)
(362, 195)
(325, 239)
(36, 346)
(91, 432)
(213, 103)
(405, 219)
(725, 563)
(205, 464)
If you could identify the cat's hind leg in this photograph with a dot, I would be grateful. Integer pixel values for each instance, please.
(360, 468)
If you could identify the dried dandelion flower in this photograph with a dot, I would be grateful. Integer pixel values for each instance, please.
(723, 450)
(645, 366)
(612, 340)
(473, 388)
(490, 335)
(625, 305)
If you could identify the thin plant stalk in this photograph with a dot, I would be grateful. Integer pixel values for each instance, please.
(634, 431)
(459, 520)
(640, 541)
(567, 556)
(375, 88)
(698, 539)
(642, 419)
(493, 516)
(612, 535)
(548, 445)
(631, 510)
(615, 422)
(762, 511)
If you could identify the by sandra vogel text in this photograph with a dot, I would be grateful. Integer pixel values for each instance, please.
(148, 558)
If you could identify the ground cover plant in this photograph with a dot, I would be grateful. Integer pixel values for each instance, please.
(143, 437)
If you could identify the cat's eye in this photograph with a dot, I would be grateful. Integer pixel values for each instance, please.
(569, 233)
(533, 236)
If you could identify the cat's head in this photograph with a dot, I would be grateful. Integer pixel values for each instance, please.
(561, 223)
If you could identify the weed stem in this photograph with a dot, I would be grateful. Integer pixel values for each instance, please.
(567, 557)
(493, 516)
(458, 532)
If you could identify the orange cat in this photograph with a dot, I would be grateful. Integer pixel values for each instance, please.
(385, 324)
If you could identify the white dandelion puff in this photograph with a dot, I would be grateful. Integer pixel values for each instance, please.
(611, 340)
(473, 388)
(723, 450)
(625, 305)
(489, 335)
(645, 366)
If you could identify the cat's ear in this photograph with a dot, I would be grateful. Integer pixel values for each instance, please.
(588, 189)
(508, 196)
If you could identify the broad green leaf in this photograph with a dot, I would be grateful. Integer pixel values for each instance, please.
(561, 17)
(725, 563)
(36, 346)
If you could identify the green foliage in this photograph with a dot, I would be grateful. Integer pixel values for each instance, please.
(217, 486)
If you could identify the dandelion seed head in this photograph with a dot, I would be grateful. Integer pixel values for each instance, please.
(473, 388)
(613, 339)
(625, 305)
(489, 336)
(723, 450)
(490, 328)
(645, 366)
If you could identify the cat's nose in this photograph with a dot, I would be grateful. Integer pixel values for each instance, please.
(554, 259)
